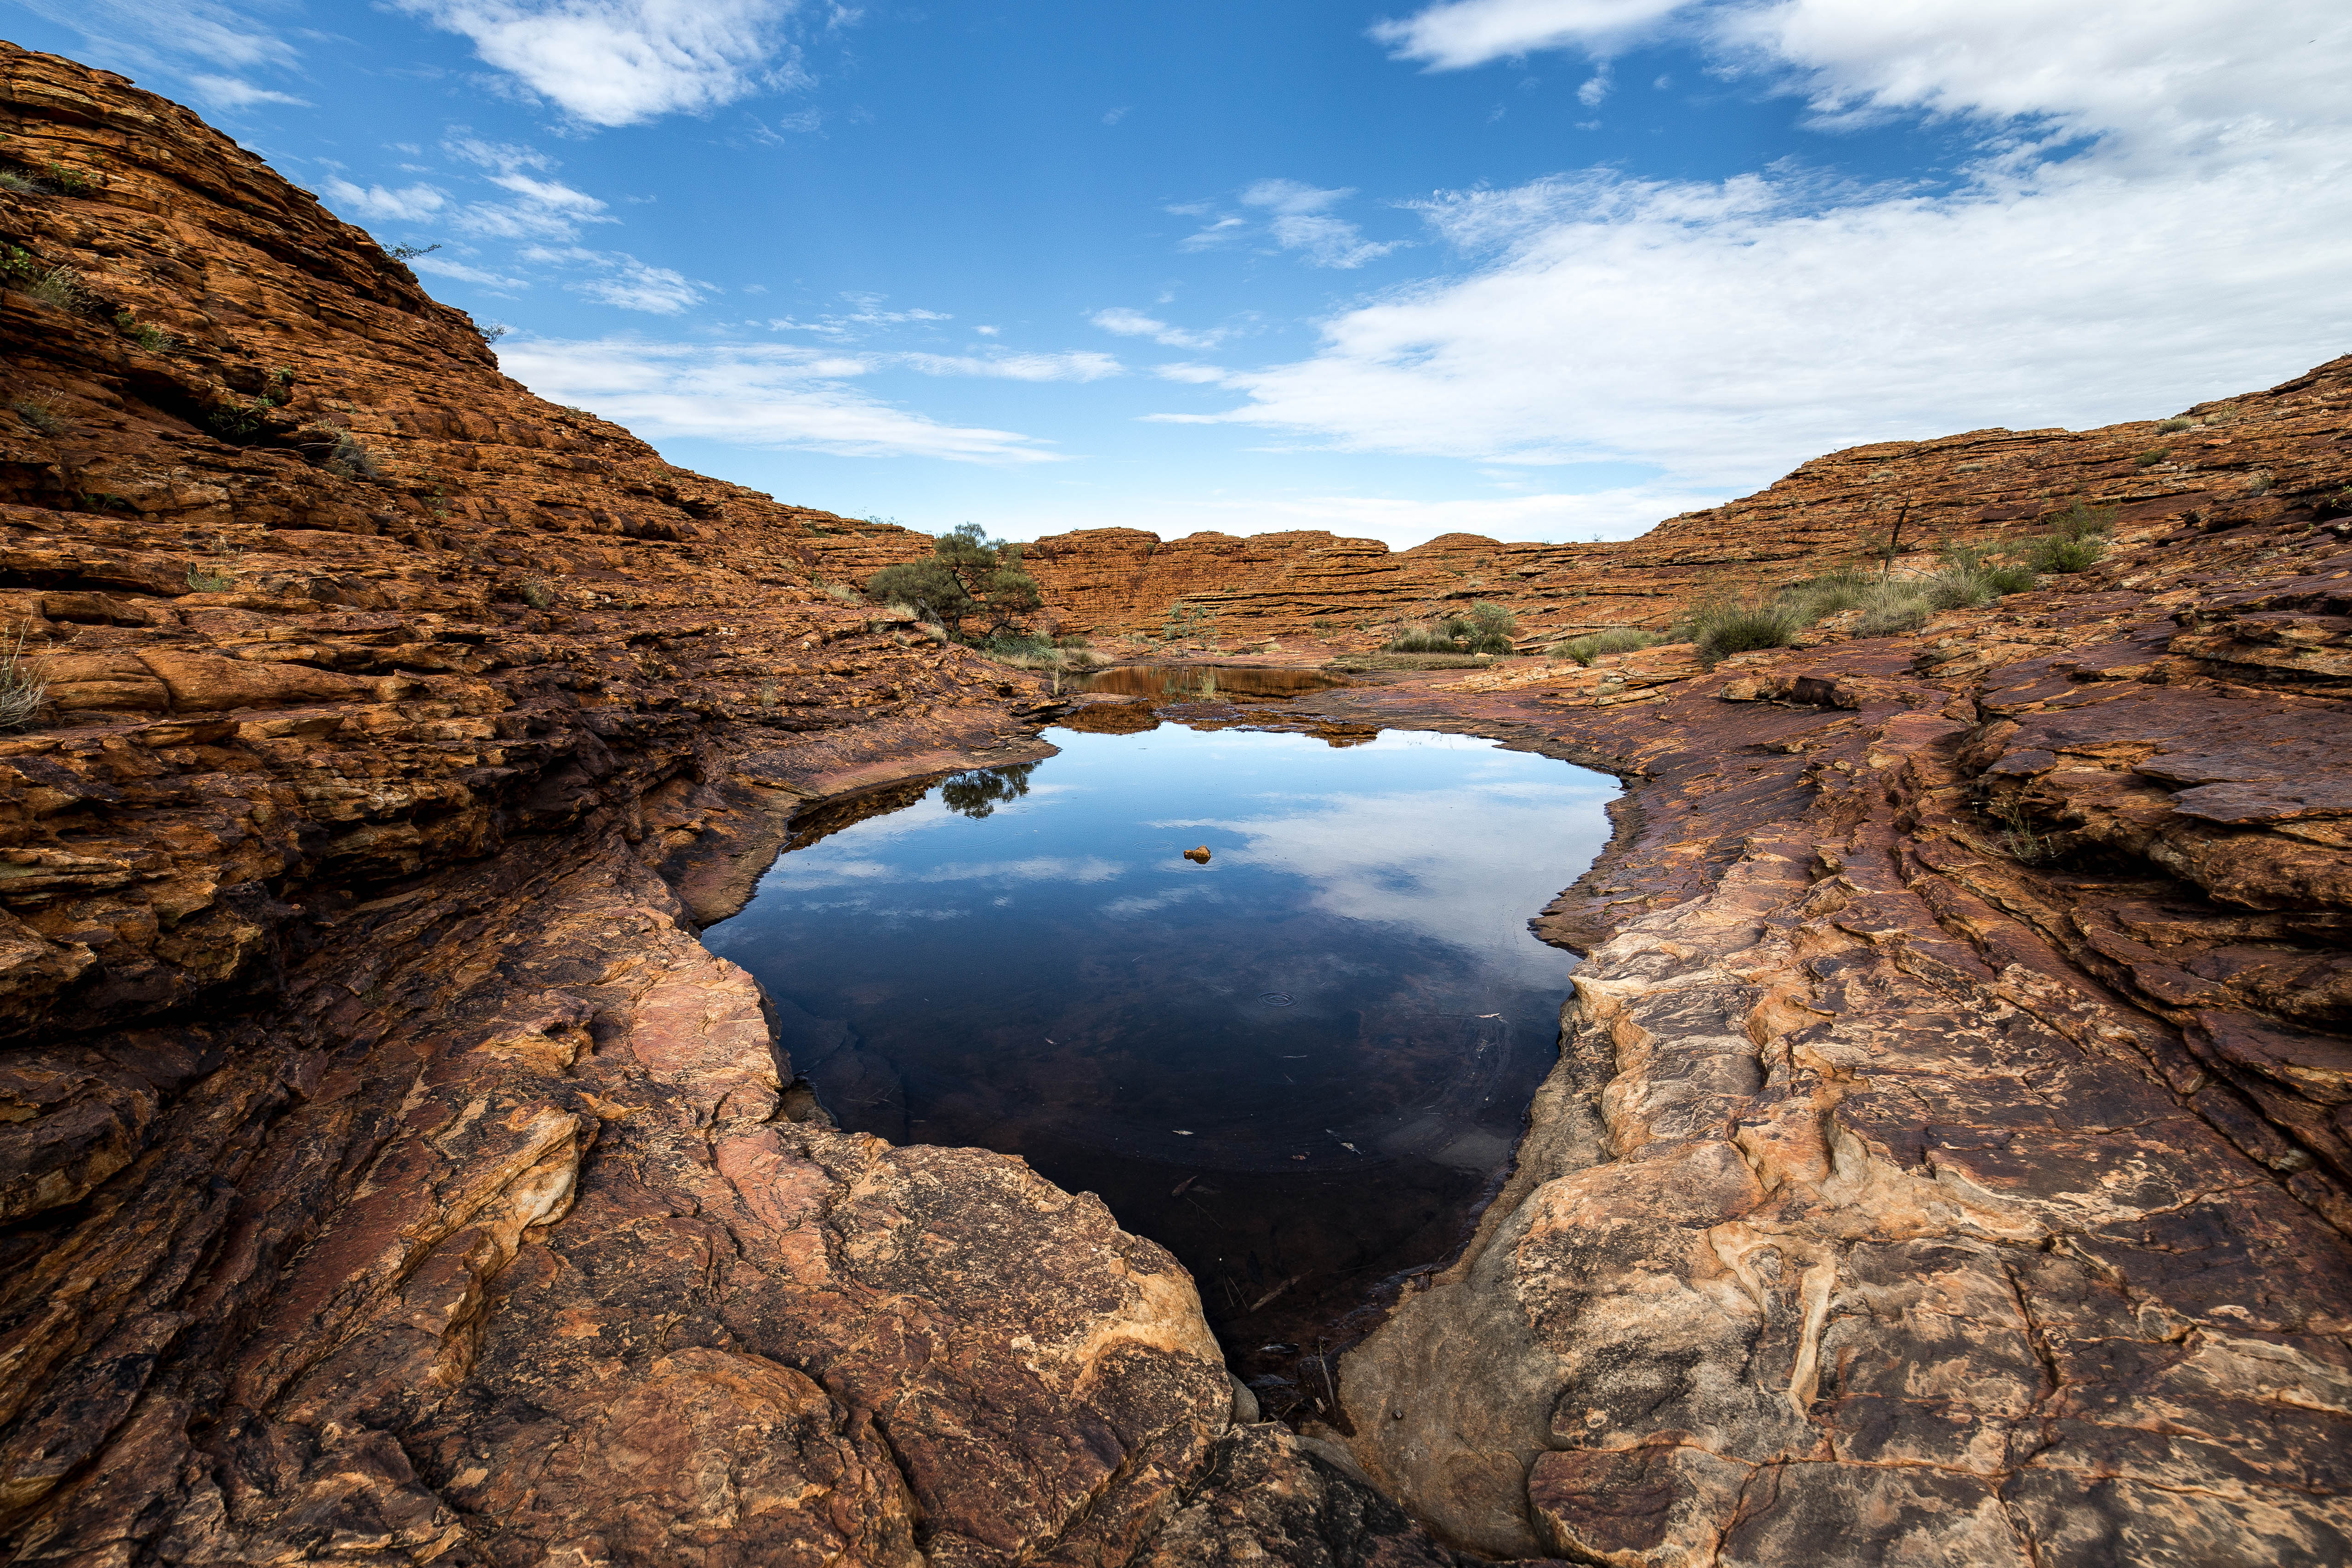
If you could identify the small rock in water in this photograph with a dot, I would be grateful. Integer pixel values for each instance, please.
(1198, 857)
(1182, 1131)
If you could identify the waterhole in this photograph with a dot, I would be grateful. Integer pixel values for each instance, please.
(1301, 1065)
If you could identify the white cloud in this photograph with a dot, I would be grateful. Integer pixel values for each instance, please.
(1301, 221)
(748, 394)
(202, 29)
(1079, 364)
(1194, 375)
(1113, 116)
(1594, 89)
(619, 62)
(634, 286)
(1727, 330)
(407, 205)
(1471, 32)
(1129, 323)
(233, 92)
(1212, 233)
(440, 267)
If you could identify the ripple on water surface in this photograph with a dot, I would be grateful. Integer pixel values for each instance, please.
(1299, 1066)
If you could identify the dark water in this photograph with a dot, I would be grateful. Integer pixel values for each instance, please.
(1195, 682)
(1300, 1067)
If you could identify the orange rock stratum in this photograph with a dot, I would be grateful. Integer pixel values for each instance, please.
(1949, 1158)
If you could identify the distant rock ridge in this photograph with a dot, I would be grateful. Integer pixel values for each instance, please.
(1980, 487)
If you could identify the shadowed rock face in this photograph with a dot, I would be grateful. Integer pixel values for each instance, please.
(1947, 1159)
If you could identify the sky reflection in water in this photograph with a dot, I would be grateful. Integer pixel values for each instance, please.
(1299, 1066)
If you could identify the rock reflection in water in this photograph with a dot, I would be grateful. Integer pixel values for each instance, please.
(1202, 682)
(1300, 1065)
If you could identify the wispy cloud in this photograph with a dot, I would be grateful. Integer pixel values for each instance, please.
(407, 205)
(230, 92)
(1464, 33)
(621, 62)
(622, 279)
(1075, 365)
(442, 267)
(1301, 220)
(1130, 324)
(750, 395)
(864, 316)
(175, 38)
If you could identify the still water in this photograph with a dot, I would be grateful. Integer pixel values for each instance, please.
(1300, 1066)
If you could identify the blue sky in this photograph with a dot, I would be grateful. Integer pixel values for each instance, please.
(1536, 269)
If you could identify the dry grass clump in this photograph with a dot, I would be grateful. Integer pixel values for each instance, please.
(23, 691)
(1594, 644)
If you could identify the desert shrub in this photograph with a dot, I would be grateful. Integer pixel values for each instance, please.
(968, 576)
(537, 592)
(59, 289)
(211, 579)
(1489, 627)
(1484, 627)
(2259, 485)
(17, 184)
(40, 413)
(1029, 651)
(1722, 627)
(1616, 639)
(351, 460)
(72, 182)
(492, 333)
(2061, 554)
(148, 336)
(238, 421)
(2152, 457)
(2082, 521)
(1186, 621)
(23, 692)
(2168, 427)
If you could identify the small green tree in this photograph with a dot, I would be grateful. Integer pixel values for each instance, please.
(967, 577)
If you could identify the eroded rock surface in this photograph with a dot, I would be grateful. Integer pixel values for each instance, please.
(1947, 1158)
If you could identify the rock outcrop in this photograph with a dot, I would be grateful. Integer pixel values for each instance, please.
(1950, 1157)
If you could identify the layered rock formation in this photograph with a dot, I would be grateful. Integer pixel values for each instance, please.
(2240, 461)
(1950, 1158)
